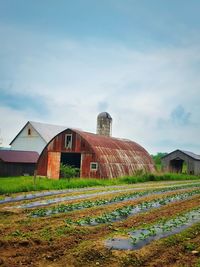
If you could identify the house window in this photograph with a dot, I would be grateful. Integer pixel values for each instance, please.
(29, 131)
(68, 141)
(93, 166)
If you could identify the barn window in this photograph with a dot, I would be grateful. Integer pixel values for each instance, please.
(68, 141)
(29, 131)
(93, 166)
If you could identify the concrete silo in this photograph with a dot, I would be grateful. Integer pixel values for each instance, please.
(104, 124)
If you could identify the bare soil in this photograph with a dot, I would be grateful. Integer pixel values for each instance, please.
(49, 241)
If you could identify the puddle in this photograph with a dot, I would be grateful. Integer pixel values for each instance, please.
(143, 237)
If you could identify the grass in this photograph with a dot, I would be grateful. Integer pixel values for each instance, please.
(10, 185)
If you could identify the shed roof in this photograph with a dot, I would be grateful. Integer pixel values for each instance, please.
(16, 156)
(191, 154)
(188, 153)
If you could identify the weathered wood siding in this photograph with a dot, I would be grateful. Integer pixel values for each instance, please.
(16, 169)
(193, 166)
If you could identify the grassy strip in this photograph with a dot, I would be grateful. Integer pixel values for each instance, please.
(10, 185)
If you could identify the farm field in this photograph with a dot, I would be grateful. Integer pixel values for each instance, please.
(147, 224)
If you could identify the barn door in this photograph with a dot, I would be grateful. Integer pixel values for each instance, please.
(53, 166)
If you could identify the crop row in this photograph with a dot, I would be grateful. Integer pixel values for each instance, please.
(124, 212)
(144, 236)
(77, 197)
(88, 203)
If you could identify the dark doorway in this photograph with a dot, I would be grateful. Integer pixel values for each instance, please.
(72, 159)
(176, 165)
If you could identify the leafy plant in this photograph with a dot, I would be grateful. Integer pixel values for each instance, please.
(67, 171)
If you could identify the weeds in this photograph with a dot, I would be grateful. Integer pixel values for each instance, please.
(10, 185)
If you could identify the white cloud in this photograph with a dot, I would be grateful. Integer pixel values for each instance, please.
(139, 88)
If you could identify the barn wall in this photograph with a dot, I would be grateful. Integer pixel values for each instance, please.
(16, 169)
(26, 142)
(178, 154)
(49, 161)
(197, 167)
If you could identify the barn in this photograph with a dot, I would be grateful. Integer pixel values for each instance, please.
(174, 162)
(34, 136)
(17, 163)
(96, 155)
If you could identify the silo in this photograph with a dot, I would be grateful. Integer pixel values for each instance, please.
(104, 124)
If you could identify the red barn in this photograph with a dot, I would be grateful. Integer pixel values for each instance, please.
(96, 155)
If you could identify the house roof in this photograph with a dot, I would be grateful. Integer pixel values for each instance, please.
(16, 156)
(188, 153)
(46, 131)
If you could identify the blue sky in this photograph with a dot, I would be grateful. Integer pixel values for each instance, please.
(63, 62)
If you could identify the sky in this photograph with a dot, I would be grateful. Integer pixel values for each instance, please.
(63, 62)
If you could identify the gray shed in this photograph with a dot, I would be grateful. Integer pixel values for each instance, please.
(173, 162)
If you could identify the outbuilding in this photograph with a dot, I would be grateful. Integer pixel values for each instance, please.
(98, 156)
(174, 162)
(34, 136)
(17, 163)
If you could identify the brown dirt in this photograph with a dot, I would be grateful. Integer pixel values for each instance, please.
(50, 242)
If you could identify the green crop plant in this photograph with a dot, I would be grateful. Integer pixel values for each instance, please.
(124, 212)
(133, 240)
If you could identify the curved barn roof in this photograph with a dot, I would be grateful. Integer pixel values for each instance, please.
(118, 157)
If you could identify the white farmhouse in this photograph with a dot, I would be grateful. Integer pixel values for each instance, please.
(34, 136)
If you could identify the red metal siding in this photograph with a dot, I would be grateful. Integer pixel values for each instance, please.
(115, 157)
(53, 165)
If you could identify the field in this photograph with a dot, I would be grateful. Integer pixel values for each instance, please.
(156, 223)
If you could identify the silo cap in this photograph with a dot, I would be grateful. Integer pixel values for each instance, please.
(104, 115)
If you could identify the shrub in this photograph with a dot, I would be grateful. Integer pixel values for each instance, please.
(67, 171)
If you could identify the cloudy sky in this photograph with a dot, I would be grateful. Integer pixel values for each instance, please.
(63, 62)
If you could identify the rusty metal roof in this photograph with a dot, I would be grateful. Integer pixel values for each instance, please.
(16, 156)
(117, 156)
